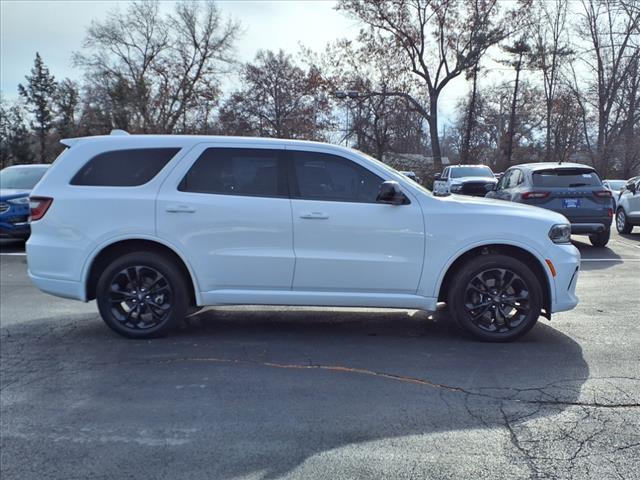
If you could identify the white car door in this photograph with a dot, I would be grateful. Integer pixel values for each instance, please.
(344, 240)
(228, 211)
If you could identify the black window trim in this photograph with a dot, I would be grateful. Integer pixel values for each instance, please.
(294, 189)
(71, 183)
(281, 163)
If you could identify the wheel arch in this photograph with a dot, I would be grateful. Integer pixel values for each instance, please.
(525, 256)
(106, 252)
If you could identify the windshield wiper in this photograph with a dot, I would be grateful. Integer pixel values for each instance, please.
(578, 185)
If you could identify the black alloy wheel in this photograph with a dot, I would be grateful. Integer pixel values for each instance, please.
(497, 300)
(142, 295)
(495, 297)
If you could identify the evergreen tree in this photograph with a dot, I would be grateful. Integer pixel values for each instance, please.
(39, 96)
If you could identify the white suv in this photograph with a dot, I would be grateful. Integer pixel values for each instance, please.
(154, 227)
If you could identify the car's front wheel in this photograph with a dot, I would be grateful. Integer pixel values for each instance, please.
(495, 298)
(142, 295)
(622, 223)
(600, 239)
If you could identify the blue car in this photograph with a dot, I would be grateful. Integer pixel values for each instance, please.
(16, 183)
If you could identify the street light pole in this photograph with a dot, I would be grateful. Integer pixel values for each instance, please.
(345, 95)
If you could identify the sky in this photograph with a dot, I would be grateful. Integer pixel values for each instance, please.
(56, 29)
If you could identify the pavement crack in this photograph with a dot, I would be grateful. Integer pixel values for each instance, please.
(403, 379)
(331, 368)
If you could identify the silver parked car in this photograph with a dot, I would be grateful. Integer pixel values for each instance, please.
(628, 210)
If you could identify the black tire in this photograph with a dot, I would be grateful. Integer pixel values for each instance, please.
(622, 222)
(131, 311)
(488, 278)
(600, 239)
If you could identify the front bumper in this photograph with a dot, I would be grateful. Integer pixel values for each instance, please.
(582, 228)
(14, 221)
(566, 261)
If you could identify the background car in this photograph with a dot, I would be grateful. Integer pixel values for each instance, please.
(616, 187)
(411, 175)
(464, 180)
(572, 189)
(628, 210)
(16, 183)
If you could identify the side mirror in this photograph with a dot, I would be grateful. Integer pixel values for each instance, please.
(632, 188)
(490, 187)
(437, 176)
(390, 193)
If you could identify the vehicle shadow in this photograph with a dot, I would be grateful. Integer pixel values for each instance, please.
(594, 258)
(240, 391)
(631, 236)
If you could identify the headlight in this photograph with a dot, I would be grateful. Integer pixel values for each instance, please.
(455, 188)
(560, 233)
(19, 201)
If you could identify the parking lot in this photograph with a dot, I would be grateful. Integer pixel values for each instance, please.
(255, 392)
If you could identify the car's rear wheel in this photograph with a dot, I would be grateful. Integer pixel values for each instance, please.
(495, 298)
(142, 295)
(622, 223)
(600, 239)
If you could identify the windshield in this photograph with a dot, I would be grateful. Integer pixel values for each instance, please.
(616, 184)
(566, 177)
(479, 171)
(21, 178)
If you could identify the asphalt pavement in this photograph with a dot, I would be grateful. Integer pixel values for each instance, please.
(316, 393)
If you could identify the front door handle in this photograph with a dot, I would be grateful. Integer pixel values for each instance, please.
(314, 216)
(180, 209)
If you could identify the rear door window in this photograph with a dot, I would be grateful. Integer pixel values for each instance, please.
(237, 171)
(124, 168)
(566, 177)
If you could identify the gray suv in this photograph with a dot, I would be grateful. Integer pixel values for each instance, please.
(574, 190)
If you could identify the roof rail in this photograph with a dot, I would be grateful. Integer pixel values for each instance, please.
(119, 132)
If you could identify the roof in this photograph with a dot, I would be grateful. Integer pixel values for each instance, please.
(190, 139)
(467, 166)
(551, 165)
(31, 165)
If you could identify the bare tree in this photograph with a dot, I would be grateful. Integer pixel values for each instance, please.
(550, 50)
(278, 99)
(152, 70)
(609, 27)
(438, 40)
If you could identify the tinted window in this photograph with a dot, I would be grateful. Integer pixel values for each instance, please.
(515, 179)
(322, 176)
(124, 168)
(472, 171)
(21, 178)
(566, 177)
(504, 181)
(237, 171)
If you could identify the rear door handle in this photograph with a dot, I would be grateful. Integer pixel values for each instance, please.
(314, 216)
(180, 209)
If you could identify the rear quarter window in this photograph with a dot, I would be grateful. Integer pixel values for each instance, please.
(566, 177)
(123, 168)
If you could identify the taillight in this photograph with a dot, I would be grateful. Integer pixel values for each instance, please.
(603, 193)
(39, 206)
(610, 213)
(530, 195)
